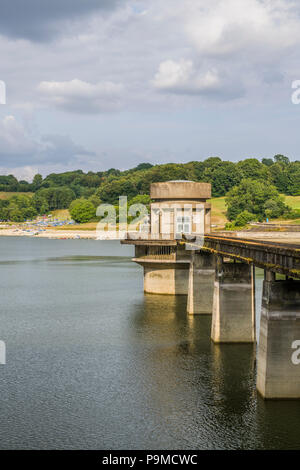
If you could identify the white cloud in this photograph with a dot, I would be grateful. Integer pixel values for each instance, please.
(181, 77)
(233, 48)
(239, 26)
(82, 97)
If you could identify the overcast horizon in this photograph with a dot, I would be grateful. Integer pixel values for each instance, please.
(97, 84)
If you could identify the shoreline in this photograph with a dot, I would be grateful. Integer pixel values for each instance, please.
(50, 233)
(84, 234)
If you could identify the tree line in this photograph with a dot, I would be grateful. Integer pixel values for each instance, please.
(83, 192)
(223, 175)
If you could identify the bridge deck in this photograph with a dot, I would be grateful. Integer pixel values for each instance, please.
(278, 257)
(258, 241)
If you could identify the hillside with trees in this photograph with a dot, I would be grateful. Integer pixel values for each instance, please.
(252, 188)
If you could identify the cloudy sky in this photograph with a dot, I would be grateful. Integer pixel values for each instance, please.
(95, 84)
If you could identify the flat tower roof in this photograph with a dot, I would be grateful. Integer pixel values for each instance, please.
(180, 189)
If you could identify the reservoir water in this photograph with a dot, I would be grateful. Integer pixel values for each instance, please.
(93, 363)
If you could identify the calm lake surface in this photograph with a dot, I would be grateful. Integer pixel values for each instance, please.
(93, 363)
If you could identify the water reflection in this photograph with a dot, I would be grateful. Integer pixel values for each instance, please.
(206, 387)
(92, 362)
(188, 370)
(278, 423)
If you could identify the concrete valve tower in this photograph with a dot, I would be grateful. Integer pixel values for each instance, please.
(178, 208)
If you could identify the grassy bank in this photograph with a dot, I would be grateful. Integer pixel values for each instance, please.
(219, 210)
(218, 215)
(7, 195)
(293, 201)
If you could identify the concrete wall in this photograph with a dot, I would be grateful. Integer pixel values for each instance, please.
(234, 303)
(166, 278)
(277, 375)
(201, 284)
(164, 217)
(166, 268)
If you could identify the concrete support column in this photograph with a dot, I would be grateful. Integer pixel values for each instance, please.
(170, 278)
(201, 284)
(278, 362)
(233, 318)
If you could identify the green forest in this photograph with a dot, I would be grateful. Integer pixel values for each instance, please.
(253, 188)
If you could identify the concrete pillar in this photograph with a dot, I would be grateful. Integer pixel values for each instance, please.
(201, 284)
(233, 318)
(278, 362)
(166, 277)
(207, 220)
